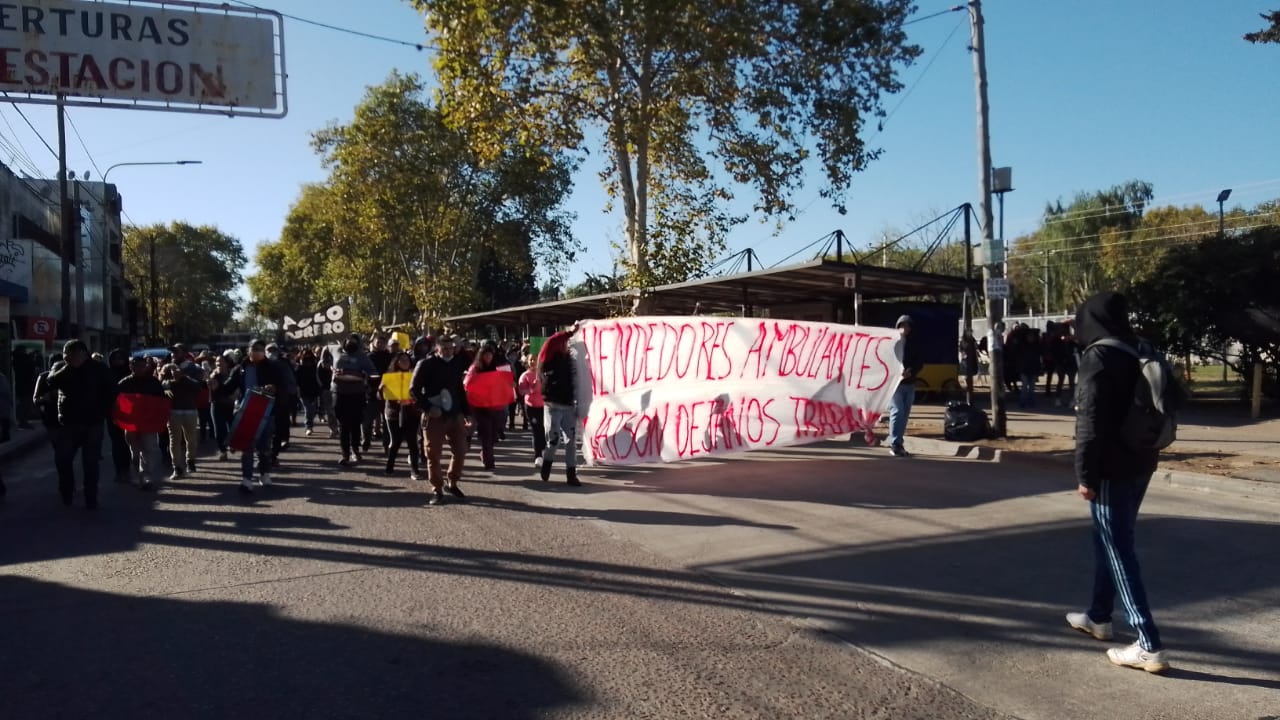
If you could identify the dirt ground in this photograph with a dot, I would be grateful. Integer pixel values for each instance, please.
(1060, 449)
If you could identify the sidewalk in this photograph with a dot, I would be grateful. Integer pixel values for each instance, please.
(1219, 448)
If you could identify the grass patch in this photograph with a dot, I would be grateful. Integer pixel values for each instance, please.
(1206, 381)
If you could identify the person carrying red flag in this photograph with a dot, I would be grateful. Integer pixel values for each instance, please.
(142, 411)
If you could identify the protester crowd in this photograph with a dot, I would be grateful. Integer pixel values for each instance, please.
(1029, 355)
(160, 414)
(164, 417)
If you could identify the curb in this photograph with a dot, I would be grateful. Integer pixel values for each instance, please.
(1239, 487)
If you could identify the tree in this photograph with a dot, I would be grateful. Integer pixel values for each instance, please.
(594, 285)
(290, 270)
(412, 224)
(687, 98)
(1208, 295)
(198, 270)
(1130, 257)
(1068, 246)
(1270, 34)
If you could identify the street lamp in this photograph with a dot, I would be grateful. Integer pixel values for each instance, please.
(154, 297)
(1222, 198)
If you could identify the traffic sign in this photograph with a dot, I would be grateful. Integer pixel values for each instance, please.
(998, 288)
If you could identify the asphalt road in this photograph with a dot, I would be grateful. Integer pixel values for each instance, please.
(823, 582)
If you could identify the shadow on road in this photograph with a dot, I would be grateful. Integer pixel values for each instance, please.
(72, 653)
(1013, 585)
(853, 481)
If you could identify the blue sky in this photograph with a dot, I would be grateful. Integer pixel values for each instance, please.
(1084, 94)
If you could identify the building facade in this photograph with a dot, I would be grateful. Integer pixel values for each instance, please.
(97, 304)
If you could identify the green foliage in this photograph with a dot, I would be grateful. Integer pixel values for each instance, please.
(1269, 34)
(1207, 295)
(198, 269)
(412, 223)
(291, 270)
(685, 97)
(1128, 257)
(1070, 242)
(594, 285)
(1110, 240)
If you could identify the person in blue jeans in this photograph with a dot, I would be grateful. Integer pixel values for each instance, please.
(555, 366)
(222, 402)
(905, 395)
(1113, 477)
(257, 373)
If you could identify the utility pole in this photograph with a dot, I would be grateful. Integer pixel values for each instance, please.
(968, 291)
(991, 269)
(64, 228)
(1046, 282)
(78, 233)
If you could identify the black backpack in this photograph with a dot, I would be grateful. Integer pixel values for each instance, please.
(1151, 422)
(964, 423)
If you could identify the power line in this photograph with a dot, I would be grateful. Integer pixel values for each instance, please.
(910, 89)
(1175, 239)
(33, 128)
(916, 83)
(20, 154)
(337, 28)
(1207, 221)
(88, 154)
(940, 13)
(1092, 212)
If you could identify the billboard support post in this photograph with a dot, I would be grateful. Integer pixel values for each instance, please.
(64, 223)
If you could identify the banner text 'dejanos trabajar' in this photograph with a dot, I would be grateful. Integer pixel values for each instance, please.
(675, 388)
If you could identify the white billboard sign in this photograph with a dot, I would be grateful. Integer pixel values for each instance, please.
(178, 56)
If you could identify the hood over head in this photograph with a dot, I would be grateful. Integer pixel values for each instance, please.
(1104, 315)
(903, 320)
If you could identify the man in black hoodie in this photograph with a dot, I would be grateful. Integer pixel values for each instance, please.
(1113, 478)
(437, 387)
(85, 396)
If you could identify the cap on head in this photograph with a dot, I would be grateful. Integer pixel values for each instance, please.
(904, 320)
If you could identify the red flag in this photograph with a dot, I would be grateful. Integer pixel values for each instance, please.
(135, 412)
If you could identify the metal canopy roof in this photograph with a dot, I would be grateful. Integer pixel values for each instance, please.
(816, 281)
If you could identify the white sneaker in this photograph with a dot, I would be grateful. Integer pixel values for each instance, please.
(265, 480)
(1081, 622)
(415, 477)
(1135, 657)
(537, 462)
(308, 432)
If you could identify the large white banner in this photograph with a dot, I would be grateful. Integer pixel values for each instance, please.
(157, 55)
(664, 389)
